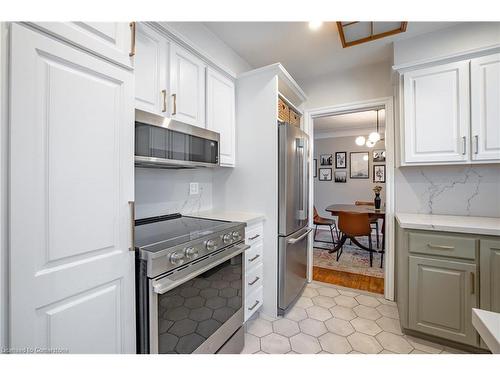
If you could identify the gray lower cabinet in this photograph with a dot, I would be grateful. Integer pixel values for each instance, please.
(442, 293)
(490, 274)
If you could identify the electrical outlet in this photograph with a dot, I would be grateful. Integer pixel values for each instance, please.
(194, 188)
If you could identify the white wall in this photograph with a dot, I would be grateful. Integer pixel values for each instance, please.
(331, 192)
(453, 190)
(348, 86)
(204, 39)
(3, 187)
(456, 39)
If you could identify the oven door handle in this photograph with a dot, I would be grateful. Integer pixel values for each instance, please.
(167, 283)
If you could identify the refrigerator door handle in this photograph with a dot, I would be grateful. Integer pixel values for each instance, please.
(295, 240)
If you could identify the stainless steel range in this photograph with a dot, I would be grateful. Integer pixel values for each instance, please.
(189, 285)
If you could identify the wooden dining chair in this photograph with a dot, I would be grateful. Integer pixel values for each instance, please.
(323, 221)
(355, 224)
(373, 221)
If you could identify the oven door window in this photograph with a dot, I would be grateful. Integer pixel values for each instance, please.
(189, 314)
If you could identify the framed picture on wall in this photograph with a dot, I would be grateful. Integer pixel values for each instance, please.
(341, 160)
(359, 165)
(325, 174)
(315, 168)
(378, 156)
(379, 173)
(340, 176)
(325, 159)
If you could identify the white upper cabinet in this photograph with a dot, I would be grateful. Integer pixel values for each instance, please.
(485, 101)
(112, 40)
(220, 113)
(151, 71)
(187, 85)
(436, 114)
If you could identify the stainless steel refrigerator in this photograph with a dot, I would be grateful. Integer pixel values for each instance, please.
(293, 209)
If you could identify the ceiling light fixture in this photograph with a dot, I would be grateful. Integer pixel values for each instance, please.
(360, 141)
(315, 25)
(372, 139)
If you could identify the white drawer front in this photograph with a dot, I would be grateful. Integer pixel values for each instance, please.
(253, 279)
(254, 234)
(252, 303)
(253, 256)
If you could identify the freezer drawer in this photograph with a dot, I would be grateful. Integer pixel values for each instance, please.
(292, 258)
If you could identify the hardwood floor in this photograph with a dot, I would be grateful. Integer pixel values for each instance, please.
(350, 280)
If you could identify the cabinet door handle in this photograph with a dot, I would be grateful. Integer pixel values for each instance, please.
(164, 93)
(254, 305)
(440, 247)
(254, 237)
(472, 283)
(464, 145)
(131, 205)
(476, 143)
(257, 278)
(255, 257)
(174, 112)
(132, 36)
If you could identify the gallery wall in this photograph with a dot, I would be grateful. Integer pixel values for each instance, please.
(331, 192)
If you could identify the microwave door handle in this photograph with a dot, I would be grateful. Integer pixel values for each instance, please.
(166, 284)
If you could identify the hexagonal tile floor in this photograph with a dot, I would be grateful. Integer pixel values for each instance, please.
(337, 320)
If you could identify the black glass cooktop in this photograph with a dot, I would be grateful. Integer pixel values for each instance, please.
(161, 232)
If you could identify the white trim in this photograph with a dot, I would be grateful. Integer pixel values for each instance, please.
(463, 55)
(388, 104)
(187, 44)
(346, 132)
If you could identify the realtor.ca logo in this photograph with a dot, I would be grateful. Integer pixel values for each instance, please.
(34, 351)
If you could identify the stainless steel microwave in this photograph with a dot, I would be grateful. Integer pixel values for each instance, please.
(165, 143)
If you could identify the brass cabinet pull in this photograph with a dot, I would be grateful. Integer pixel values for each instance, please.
(132, 35)
(131, 205)
(254, 237)
(472, 283)
(257, 278)
(255, 257)
(164, 93)
(440, 247)
(174, 112)
(254, 305)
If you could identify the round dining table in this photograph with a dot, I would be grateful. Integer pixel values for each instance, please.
(336, 209)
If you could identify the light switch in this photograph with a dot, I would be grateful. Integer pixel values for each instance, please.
(194, 188)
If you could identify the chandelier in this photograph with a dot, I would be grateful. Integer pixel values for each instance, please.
(372, 138)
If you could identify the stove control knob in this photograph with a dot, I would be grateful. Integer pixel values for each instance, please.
(227, 238)
(190, 252)
(210, 245)
(236, 236)
(177, 258)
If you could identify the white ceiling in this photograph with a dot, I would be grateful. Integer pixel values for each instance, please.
(306, 53)
(349, 124)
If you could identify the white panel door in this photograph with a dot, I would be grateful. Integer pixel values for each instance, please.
(436, 114)
(112, 40)
(72, 175)
(187, 83)
(485, 100)
(220, 114)
(151, 71)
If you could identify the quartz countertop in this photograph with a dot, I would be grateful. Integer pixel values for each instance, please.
(239, 216)
(448, 223)
(487, 324)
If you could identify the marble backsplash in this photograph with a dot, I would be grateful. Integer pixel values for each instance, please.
(449, 190)
(163, 191)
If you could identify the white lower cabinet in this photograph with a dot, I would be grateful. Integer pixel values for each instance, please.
(72, 177)
(253, 269)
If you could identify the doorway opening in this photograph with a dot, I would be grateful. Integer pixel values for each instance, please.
(352, 196)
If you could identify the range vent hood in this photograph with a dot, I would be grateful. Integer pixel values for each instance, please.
(169, 144)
